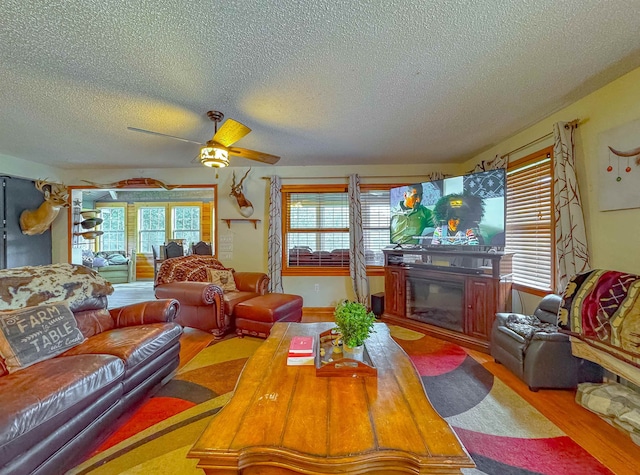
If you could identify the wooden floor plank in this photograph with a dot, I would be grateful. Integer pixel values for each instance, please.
(192, 342)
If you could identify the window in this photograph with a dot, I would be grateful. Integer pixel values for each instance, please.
(113, 228)
(151, 228)
(376, 219)
(186, 223)
(155, 227)
(530, 226)
(316, 228)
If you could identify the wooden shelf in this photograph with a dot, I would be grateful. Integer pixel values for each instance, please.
(230, 220)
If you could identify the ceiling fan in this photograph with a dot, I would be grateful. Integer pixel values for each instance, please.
(215, 153)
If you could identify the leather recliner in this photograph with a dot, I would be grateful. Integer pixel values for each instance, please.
(542, 361)
(204, 305)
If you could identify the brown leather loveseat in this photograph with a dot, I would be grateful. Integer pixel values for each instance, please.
(206, 305)
(60, 403)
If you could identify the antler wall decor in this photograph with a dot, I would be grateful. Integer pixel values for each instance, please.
(246, 208)
(134, 183)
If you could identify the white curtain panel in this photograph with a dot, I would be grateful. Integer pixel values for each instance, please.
(572, 252)
(274, 258)
(357, 262)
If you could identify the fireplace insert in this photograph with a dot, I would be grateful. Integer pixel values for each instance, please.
(435, 302)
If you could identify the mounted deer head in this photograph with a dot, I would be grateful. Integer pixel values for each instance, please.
(246, 208)
(37, 221)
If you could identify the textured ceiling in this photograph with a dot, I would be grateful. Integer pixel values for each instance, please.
(320, 82)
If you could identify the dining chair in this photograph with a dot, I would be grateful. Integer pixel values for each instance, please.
(173, 249)
(202, 248)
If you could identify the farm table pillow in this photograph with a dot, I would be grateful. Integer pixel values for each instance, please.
(34, 334)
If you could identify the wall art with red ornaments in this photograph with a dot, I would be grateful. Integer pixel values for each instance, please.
(619, 167)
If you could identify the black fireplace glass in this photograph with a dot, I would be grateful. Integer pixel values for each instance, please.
(435, 302)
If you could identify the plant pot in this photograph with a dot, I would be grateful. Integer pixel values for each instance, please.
(355, 353)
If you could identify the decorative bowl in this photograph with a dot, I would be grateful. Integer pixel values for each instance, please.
(91, 234)
(89, 213)
(91, 223)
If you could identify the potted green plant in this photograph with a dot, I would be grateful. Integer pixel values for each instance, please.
(355, 324)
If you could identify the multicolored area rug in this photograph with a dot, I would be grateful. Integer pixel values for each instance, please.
(501, 431)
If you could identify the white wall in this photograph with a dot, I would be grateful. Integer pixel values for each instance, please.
(20, 168)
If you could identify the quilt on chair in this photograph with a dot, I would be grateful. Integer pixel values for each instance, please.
(602, 308)
(191, 268)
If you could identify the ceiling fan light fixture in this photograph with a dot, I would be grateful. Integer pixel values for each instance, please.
(214, 156)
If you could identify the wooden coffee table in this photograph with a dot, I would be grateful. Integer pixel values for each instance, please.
(284, 419)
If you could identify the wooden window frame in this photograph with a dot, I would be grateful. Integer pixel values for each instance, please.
(286, 229)
(168, 215)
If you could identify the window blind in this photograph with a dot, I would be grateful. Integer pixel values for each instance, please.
(529, 230)
(376, 219)
(317, 227)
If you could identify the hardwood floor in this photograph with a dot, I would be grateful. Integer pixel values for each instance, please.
(610, 446)
(192, 342)
(132, 292)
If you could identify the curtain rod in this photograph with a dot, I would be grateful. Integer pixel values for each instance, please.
(339, 177)
(568, 125)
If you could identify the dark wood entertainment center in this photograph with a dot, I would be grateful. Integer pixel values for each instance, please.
(449, 293)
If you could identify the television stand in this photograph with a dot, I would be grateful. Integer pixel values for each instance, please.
(450, 294)
(462, 270)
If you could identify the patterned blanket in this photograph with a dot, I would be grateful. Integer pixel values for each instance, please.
(187, 269)
(602, 308)
(36, 285)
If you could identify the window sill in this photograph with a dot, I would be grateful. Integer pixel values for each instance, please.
(531, 290)
(328, 271)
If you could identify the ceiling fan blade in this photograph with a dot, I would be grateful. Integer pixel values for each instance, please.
(253, 155)
(163, 135)
(230, 132)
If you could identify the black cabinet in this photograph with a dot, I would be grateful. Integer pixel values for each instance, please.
(18, 249)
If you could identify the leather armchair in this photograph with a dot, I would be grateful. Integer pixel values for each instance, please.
(206, 307)
(542, 361)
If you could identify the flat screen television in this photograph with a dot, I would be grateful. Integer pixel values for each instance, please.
(461, 211)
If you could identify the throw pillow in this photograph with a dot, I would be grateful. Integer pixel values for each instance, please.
(87, 258)
(100, 262)
(34, 334)
(117, 259)
(222, 278)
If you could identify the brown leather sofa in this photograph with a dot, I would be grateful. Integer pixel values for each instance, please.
(57, 410)
(203, 305)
